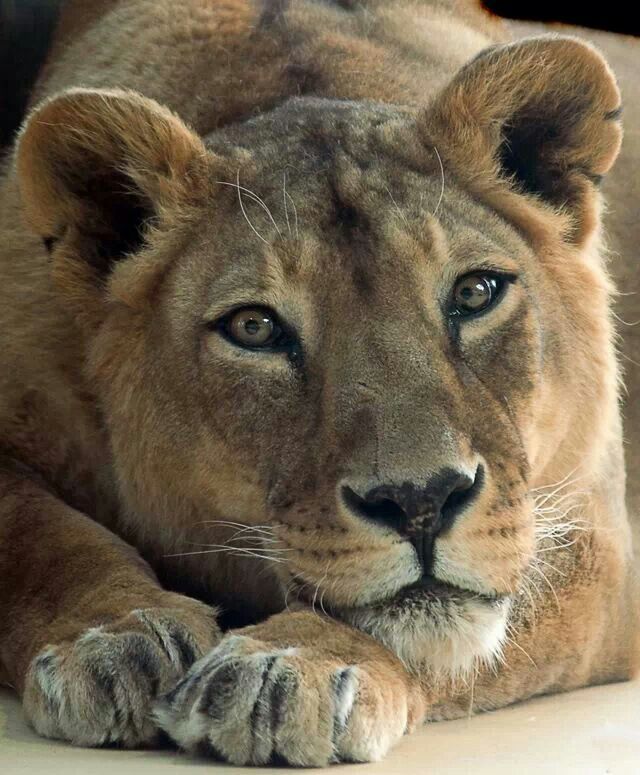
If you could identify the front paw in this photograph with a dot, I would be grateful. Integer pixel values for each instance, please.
(99, 689)
(249, 702)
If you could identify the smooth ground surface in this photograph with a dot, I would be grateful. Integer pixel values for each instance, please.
(591, 731)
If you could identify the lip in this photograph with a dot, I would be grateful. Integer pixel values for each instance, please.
(430, 585)
(424, 588)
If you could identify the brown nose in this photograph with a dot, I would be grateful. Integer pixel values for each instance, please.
(420, 513)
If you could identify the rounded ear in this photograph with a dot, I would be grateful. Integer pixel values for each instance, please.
(100, 167)
(540, 115)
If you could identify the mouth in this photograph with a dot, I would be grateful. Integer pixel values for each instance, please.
(430, 586)
(431, 624)
(425, 589)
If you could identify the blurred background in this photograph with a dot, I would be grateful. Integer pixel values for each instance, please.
(613, 16)
(26, 27)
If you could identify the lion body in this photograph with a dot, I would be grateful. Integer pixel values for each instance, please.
(84, 430)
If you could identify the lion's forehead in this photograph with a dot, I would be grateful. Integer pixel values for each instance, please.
(323, 188)
(337, 155)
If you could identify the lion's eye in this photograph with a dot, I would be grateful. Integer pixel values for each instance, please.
(475, 293)
(252, 327)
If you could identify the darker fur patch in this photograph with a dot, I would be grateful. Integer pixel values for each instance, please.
(205, 749)
(304, 78)
(125, 216)
(341, 682)
(145, 662)
(273, 12)
(346, 217)
(284, 687)
(346, 5)
(187, 652)
(261, 711)
(49, 243)
(180, 640)
(613, 115)
(104, 681)
(170, 697)
(219, 692)
(353, 230)
(46, 666)
(530, 138)
(594, 177)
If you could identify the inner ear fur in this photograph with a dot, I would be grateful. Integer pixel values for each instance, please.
(541, 116)
(104, 166)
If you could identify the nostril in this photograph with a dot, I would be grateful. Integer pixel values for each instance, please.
(411, 509)
(378, 509)
(463, 492)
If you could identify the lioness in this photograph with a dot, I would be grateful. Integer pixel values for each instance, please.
(307, 302)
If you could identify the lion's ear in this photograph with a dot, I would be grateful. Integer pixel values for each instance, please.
(541, 115)
(100, 168)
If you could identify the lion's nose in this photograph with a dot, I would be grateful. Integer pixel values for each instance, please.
(419, 512)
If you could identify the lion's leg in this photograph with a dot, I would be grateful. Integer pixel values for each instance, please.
(87, 635)
(309, 690)
(299, 687)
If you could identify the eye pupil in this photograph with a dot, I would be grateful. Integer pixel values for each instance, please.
(251, 327)
(474, 293)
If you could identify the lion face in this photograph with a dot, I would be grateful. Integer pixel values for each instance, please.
(385, 433)
(331, 336)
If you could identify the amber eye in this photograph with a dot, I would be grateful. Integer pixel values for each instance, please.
(475, 293)
(252, 327)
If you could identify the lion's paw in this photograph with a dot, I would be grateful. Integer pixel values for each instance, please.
(250, 703)
(100, 688)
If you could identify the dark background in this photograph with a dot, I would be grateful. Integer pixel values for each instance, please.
(613, 16)
(26, 26)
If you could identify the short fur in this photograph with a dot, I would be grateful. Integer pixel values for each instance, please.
(342, 163)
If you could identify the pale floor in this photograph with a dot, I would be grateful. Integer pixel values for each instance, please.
(587, 732)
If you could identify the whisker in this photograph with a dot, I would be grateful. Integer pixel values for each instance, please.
(550, 515)
(552, 567)
(558, 546)
(234, 551)
(240, 553)
(549, 584)
(284, 199)
(301, 588)
(562, 498)
(246, 217)
(435, 212)
(322, 608)
(560, 482)
(472, 692)
(226, 523)
(243, 548)
(395, 204)
(535, 586)
(318, 585)
(627, 358)
(525, 588)
(262, 203)
(259, 539)
(552, 501)
(624, 322)
(519, 647)
(295, 214)
(251, 536)
(254, 197)
(290, 586)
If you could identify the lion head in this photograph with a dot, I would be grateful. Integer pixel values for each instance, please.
(367, 332)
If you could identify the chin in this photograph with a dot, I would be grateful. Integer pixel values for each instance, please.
(437, 628)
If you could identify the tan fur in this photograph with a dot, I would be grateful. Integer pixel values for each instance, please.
(342, 163)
